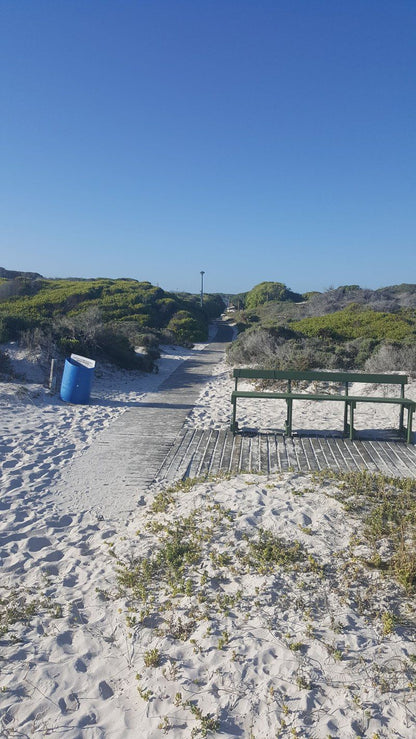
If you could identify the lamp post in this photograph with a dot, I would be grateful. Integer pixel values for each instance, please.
(202, 287)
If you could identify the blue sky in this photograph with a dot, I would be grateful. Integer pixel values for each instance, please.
(253, 139)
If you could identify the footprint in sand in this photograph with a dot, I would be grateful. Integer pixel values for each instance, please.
(36, 543)
(55, 556)
(105, 691)
(88, 720)
(70, 705)
(70, 581)
(13, 484)
(65, 639)
(60, 522)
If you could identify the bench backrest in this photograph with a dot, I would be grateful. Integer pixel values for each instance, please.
(265, 374)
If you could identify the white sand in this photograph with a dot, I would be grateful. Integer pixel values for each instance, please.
(292, 652)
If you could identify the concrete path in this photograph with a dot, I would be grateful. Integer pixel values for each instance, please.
(113, 474)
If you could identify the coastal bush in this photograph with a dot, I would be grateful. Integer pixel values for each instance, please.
(355, 323)
(186, 328)
(269, 291)
(283, 348)
(39, 341)
(392, 357)
(355, 337)
(11, 327)
(79, 312)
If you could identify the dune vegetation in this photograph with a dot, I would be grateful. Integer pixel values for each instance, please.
(101, 317)
(343, 328)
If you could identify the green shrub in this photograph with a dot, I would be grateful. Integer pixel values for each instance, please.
(355, 322)
(11, 327)
(186, 328)
(269, 291)
(81, 311)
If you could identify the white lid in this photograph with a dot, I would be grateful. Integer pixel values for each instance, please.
(90, 363)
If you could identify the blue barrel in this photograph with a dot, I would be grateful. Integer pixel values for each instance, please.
(77, 379)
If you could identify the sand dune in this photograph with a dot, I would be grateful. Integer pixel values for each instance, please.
(186, 619)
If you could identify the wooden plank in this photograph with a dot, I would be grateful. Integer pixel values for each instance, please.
(182, 462)
(395, 460)
(174, 452)
(235, 461)
(339, 460)
(245, 454)
(217, 456)
(372, 458)
(282, 457)
(301, 456)
(210, 441)
(321, 375)
(264, 453)
(308, 454)
(227, 452)
(196, 453)
(408, 454)
(385, 463)
(291, 454)
(274, 464)
(347, 454)
(318, 452)
(359, 458)
(357, 462)
(254, 454)
(366, 455)
(327, 456)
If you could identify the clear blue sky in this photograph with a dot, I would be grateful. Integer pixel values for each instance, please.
(253, 139)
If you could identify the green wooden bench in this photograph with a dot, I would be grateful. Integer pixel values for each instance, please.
(343, 378)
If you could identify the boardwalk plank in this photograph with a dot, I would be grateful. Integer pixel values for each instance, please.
(309, 454)
(210, 441)
(407, 456)
(235, 460)
(291, 454)
(301, 457)
(193, 469)
(273, 456)
(282, 453)
(217, 456)
(227, 452)
(211, 452)
(264, 453)
(384, 462)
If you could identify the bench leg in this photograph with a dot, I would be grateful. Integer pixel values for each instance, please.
(288, 424)
(409, 424)
(352, 406)
(234, 425)
(345, 419)
(401, 421)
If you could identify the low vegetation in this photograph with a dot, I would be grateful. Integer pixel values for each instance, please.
(207, 578)
(100, 317)
(347, 328)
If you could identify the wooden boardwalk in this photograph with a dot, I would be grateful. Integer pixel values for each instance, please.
(150, 443)
(204, 452)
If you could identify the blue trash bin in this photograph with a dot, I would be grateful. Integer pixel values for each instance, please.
(77, 379)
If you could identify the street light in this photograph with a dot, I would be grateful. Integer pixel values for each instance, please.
(202, 287)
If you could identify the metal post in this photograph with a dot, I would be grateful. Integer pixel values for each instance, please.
(202, 287)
